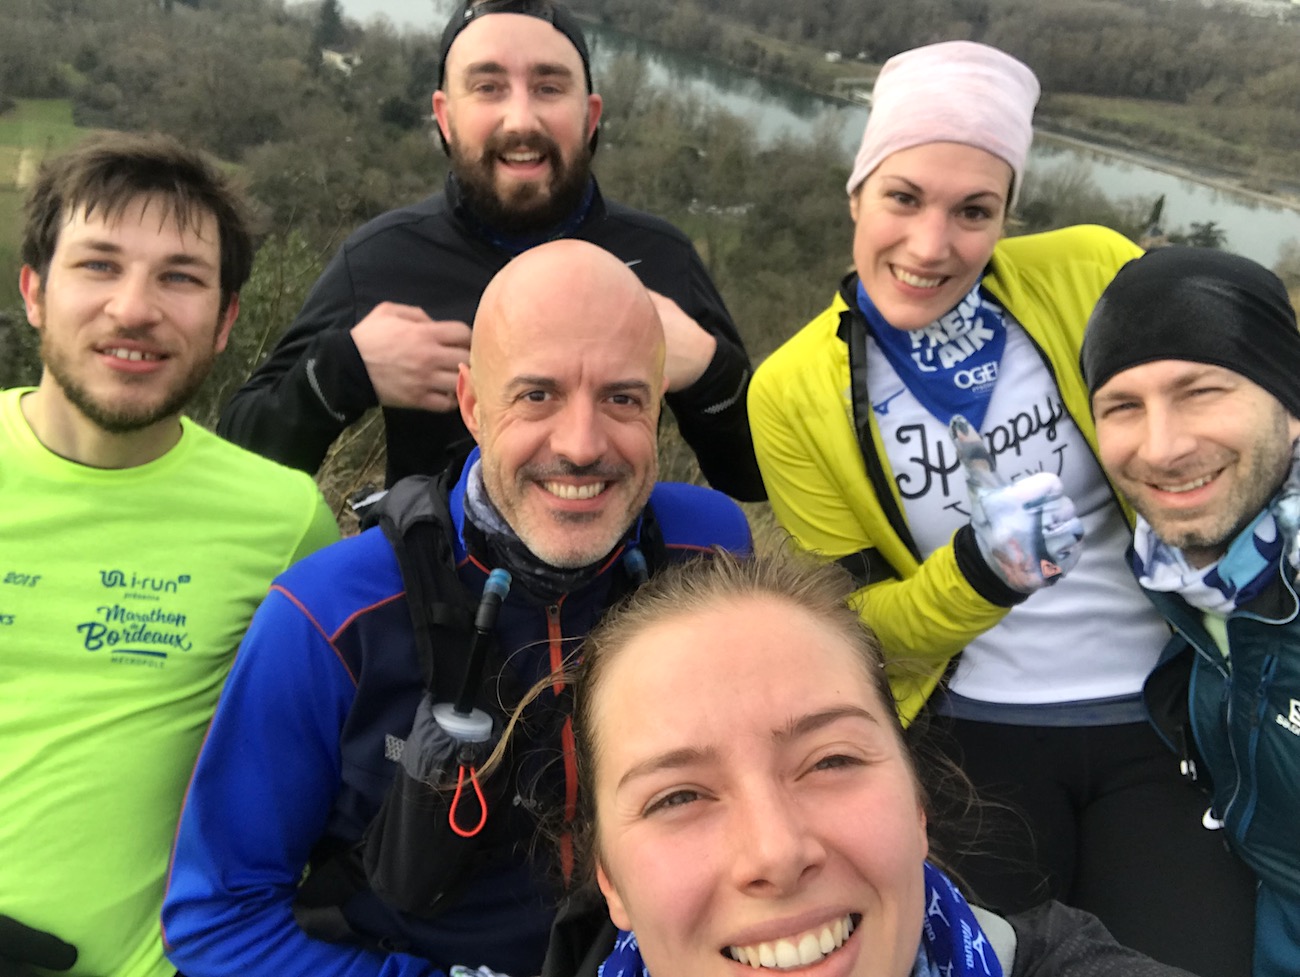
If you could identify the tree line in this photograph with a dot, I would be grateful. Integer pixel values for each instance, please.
(323, 149)
(1237, 74)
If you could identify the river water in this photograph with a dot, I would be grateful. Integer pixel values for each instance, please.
(1254, 227)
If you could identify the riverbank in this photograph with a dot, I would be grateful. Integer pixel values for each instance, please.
(1184, 169)
(1173, 138)
(1063, 128)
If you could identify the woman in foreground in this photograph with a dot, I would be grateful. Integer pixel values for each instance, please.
(751, 803)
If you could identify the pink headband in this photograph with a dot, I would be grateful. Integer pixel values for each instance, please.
(954, 91)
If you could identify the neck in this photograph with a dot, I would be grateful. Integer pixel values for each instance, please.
(62, 429)
(496, 543)
(1198, 558)
(517, 241)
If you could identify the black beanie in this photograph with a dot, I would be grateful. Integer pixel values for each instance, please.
(548, 10)
(1201, 305)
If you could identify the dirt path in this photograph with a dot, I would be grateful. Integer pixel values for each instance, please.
(26, 171)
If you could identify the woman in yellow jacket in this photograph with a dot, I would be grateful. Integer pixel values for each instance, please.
(930, 431)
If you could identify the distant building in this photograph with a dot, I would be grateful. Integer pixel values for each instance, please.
(341, 61)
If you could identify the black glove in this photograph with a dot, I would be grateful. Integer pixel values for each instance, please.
(22, 947)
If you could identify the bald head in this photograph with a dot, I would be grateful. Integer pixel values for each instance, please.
(562, 393)
(565, 291)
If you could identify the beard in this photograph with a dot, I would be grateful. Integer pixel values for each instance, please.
(1260, 475)
(126, 415)
(527, 208)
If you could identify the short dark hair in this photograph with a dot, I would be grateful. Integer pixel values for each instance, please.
(555, 14)
(110, 171)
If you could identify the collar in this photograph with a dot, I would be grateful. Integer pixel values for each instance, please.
(489, 541)
(592, 208)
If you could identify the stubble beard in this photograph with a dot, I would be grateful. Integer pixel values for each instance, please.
(1251, 493)
(538, 537)
(125, 418)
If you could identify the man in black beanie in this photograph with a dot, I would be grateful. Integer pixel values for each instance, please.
(1192, 360)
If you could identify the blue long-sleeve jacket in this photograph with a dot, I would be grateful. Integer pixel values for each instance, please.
(327, 674)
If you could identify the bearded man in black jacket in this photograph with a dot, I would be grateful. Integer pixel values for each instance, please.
(387, 323)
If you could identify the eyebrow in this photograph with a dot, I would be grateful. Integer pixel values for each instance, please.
(625, 386)
(797, 727)
(1179, 383)
(551, 384)
(545, 69)
(672, 760)
(919, 190)
(177, 258)
(812, 722)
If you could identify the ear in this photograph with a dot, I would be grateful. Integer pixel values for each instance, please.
(29, 283)
(227, 323)
(595, 105)
(1293, 426)
(617, 911)
(853, 204)
(440, 113)
(467, 399)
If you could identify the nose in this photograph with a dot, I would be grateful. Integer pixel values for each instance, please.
(133, 302)
(777, 846)
(1166, 439)
(519, 114)
(579, 434)
(930, 236)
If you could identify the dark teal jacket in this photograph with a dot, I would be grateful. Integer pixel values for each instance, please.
(1236, 723)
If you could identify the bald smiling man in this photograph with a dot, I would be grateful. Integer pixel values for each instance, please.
(562, 393)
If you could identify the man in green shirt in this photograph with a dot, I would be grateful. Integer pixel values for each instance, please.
(134, 546)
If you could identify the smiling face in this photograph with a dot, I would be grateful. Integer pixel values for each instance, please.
(925, 223)
(130, 317)
(562, 393)
(1198, 449)
(518, 121)
(752, 798)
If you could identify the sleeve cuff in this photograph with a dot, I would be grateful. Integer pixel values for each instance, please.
(982, 579)
(338, 378)
(721, 386)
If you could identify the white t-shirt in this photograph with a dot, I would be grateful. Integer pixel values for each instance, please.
(1091, 636)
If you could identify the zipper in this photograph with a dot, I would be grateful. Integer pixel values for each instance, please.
(1256, 727)
(555, 639)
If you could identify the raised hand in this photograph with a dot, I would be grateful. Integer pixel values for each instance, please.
(690, 348)
(1027, 530)
(412, 359)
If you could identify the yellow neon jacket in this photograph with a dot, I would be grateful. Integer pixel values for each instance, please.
(801, 414)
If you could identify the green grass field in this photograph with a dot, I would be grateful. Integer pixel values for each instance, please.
(34, 129)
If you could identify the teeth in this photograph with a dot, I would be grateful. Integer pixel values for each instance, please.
(795, 951)
(1187, 486)
(133, 355)
(826, 942)
(564, 490)
(916, 281)
(522, 157)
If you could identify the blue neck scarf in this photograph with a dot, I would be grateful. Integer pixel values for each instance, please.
(1251, 563)
(952, 943)
(951, 365)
